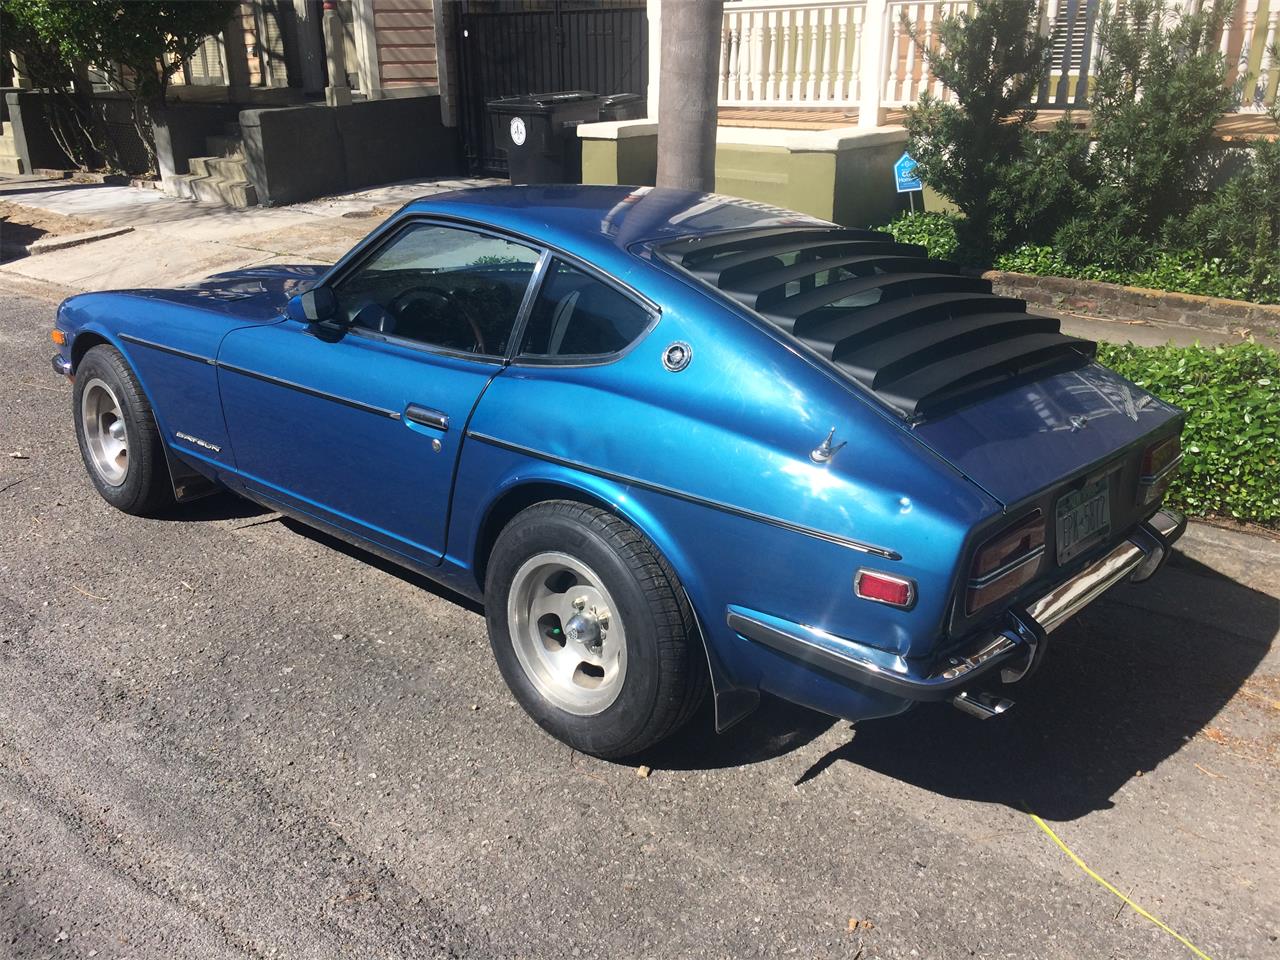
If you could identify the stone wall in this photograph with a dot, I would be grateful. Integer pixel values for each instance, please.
(1111, 301)
(297, 153)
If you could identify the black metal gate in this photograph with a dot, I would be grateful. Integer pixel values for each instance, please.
(540, 46)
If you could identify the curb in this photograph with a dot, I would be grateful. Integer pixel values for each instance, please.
(49, 244)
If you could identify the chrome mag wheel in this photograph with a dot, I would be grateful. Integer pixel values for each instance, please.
(567, 634)
(105, 434)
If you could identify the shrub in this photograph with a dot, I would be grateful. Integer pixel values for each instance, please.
(1240, 224)
(1231, 444)
(1159, 89)
(992, 58)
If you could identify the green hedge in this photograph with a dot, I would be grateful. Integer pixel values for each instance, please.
(1231, 444)
(1175, 272)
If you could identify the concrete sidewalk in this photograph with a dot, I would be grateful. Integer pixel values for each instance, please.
(177, 241)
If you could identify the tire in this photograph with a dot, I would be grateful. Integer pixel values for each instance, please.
(643, 671)
(118, 437)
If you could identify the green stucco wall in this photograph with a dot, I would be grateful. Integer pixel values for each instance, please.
(852, 186)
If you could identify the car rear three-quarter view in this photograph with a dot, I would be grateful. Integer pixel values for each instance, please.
(673, 442)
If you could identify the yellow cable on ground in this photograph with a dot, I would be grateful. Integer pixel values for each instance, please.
(1136, 909)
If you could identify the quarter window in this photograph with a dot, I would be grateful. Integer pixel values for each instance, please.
(576, 315)
(442, 286)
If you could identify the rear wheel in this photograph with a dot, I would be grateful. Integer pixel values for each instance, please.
(118, 437)
(591, 629)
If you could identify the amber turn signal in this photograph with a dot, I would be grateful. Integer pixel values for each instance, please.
(58, 337)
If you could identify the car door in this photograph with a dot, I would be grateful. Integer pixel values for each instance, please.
(359, 423)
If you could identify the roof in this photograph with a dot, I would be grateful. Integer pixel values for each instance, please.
(586, 219)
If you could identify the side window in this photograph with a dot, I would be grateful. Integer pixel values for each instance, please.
(576, 315)
(443, 286)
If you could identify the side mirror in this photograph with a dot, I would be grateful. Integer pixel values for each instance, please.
(316, 305)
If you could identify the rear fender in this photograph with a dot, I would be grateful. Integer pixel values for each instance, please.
(471, 521)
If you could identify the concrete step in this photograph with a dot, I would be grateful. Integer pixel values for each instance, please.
(11, 165)
(225, 145)
(225, 168)
(232, 193)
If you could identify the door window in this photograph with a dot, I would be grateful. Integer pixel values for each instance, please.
(443, 286)
(576, 315)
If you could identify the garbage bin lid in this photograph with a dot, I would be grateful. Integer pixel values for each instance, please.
(612, 98)
(543, 99)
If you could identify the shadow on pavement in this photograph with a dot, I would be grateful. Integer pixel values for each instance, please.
(1124, 686)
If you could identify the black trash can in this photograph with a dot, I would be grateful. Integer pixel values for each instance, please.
(539, 132)
(623, 106)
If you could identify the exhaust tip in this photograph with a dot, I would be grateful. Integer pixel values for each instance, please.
(984, 706)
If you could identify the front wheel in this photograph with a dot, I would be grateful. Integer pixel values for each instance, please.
(118, 437)
(591, 629)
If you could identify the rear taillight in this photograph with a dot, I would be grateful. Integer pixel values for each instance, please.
(1005, 562)
(884, 588)
(1159, 461)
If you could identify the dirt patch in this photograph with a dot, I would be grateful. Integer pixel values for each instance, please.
(20, 226)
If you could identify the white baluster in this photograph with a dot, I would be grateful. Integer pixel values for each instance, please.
(895, 36)
(724, 56)
(735, 58)
(1246, 51)
(841, 94)
(788, 67)
(759, 51)
(857, 37)
(910, 83)
(772, 21)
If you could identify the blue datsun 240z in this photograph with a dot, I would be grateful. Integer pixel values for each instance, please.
(670, 439)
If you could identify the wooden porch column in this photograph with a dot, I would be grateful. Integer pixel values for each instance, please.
(871, 73)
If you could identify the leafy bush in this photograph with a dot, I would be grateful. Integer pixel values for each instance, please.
(1231, 444)
(1181, 272)
(936, 232)
(1178, 272)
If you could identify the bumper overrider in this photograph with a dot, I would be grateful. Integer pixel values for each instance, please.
(1012, 651)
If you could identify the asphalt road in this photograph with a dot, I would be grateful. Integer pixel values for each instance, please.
(222, 736)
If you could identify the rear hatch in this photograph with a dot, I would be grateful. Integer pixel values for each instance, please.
(1004, 396)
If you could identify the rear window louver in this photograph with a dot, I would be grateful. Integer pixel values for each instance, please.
(923, 335)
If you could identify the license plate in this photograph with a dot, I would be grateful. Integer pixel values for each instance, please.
(1083, 518)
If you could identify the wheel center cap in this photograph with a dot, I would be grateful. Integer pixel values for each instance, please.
(116, 430)
(583, 629)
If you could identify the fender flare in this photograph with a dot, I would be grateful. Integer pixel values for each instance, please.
(733, 701)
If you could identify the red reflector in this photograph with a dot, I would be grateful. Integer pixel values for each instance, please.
(883, 588)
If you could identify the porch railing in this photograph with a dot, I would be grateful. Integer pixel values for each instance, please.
(860, 53)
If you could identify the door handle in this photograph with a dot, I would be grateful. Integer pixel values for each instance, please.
(426, 417)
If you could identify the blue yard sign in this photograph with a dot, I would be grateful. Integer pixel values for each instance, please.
(904, 172)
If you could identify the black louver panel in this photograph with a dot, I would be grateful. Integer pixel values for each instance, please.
(701, 251)
(923, 335)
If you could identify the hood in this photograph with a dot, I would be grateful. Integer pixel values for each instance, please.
(257, 294)
(277, 282)
(1026, 439)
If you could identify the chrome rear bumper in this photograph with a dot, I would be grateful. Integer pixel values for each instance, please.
(1016, 649)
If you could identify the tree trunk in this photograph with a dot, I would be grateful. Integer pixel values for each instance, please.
(687, 94)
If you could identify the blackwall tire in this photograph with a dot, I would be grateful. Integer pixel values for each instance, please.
(118, 437)
(591, 629)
